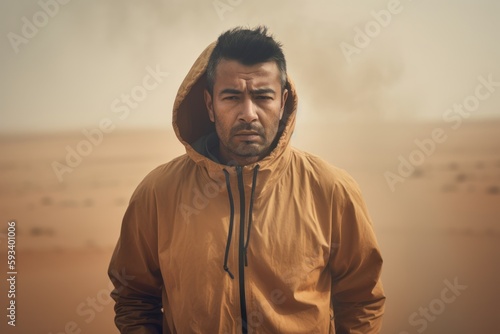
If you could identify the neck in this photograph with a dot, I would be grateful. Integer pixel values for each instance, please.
(227, 158)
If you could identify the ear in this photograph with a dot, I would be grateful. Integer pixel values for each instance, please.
(283, 102)
(209, 104)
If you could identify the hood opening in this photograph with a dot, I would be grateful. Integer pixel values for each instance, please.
(190, 115)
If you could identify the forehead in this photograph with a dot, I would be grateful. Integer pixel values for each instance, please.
(232, 72)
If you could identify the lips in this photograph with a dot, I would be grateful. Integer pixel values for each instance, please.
(247, 135)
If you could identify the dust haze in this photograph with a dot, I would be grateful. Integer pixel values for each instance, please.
(437, 223)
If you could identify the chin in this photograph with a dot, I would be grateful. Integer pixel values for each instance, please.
(249, 152)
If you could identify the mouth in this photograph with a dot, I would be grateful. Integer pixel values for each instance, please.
(247, 135)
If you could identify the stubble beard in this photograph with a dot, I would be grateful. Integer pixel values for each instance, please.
(246, 149)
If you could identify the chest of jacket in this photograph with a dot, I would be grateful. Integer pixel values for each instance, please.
(286, 258)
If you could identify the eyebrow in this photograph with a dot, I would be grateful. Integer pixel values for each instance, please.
(230, 91)
(263, 91)
(253, 92)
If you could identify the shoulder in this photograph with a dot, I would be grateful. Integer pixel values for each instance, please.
(165, 175)
(336, 180)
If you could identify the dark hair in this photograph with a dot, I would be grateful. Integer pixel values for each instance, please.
(249, 47)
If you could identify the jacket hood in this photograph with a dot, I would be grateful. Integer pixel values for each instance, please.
(190, 116)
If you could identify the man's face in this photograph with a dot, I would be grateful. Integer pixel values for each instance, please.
(246, 106)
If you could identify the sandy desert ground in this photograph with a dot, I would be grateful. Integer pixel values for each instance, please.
(439, 227)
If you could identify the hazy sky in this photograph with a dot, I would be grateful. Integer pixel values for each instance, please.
(82, 56)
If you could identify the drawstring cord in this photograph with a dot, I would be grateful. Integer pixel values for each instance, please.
(250, 210)
(231, 217)
(231, 223)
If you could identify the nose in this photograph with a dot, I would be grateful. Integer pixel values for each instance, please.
(248, 111)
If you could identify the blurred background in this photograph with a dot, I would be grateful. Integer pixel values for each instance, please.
(405, 95)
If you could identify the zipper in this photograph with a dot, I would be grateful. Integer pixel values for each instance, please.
(241, 252)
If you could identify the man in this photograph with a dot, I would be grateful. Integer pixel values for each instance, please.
(243, 233)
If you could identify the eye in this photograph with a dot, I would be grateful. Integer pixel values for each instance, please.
(230, 97)
(264, 97)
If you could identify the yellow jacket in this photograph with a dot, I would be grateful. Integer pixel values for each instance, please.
(284, 245)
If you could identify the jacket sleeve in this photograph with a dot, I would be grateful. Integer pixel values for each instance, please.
(134, 268)
(357, 294)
